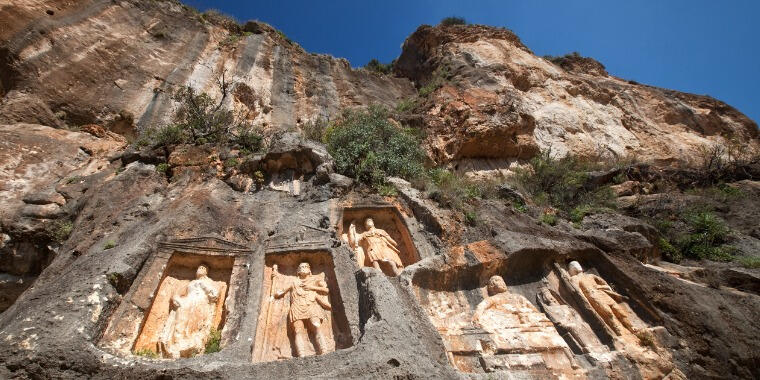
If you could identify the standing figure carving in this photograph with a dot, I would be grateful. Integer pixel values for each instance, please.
(606, 302)
(191, 317)
(376, 244)
(308, 303)
(577, 332)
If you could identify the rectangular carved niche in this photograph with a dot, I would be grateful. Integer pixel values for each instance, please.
(275, 335)
(146, 314)
(180, 271)
(492, 330)
(386, 218)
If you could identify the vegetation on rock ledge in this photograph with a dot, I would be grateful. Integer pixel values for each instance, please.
(367, 146)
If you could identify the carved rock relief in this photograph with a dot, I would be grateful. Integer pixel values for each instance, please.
(611, 312)
(187, 289)
(503, 331)
(301, 311)
(379, 238)
(554, 325)
(187, 306)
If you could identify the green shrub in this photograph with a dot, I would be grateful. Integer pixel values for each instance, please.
(550, 219)
(437, 79)
(60, 230)
(168, 135)
(213, 344)
(519, 206)
(562, 59)
(579, 212)
(453, 20)
(367, 146)
(719, 192)
(707, 238)
(315, 129)
(248, 138)
(669, 252)
(162, 168)
(470, 217)
(230, 162)
(147, 353)
(284, 37)
(230, 41)
(562, 184)
(406, 105)
(752, 262)
(455, 191)
(381, 68)
(387, 190)
(109, 244)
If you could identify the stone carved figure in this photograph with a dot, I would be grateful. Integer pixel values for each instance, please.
(576, 331)
(518, 328)
(606, 302)
(375, 245)
(308, 303)
(190, 318)
(505, 310)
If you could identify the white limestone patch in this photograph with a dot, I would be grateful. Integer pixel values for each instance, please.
(35, 50)
(94, 300)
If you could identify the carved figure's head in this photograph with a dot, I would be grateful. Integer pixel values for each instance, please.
(496, 285)
(304, 269)
(202, 271)
(369, 223)
(574, 268)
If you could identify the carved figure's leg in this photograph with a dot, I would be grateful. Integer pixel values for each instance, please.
(395, 268)
(376, 265)
(300, 336)
(622, 316)
(319, 340)
(605, 311)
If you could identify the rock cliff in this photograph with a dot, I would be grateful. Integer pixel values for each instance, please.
(497, 102)
(102, 243)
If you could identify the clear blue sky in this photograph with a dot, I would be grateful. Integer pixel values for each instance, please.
(698, 46)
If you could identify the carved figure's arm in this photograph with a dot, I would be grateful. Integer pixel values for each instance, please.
(353, 237)
(212, 292)
(482, 307)
(279, 294)
(320, 288)
(605, 287)
(389, 238)
(390, 242)
(175, 302)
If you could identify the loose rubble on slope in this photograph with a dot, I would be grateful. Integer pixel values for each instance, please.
(515, 254)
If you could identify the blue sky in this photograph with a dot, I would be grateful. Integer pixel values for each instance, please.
(697, 46)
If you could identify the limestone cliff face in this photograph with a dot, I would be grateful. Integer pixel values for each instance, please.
(114, 63)
(500, 102)
(90, 229)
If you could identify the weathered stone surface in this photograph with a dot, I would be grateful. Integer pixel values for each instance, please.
(34, 160)
(93, 77)
(103, 229)
(499, 103)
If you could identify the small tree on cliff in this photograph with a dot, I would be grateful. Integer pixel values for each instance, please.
(453, 20)
(200, 119)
